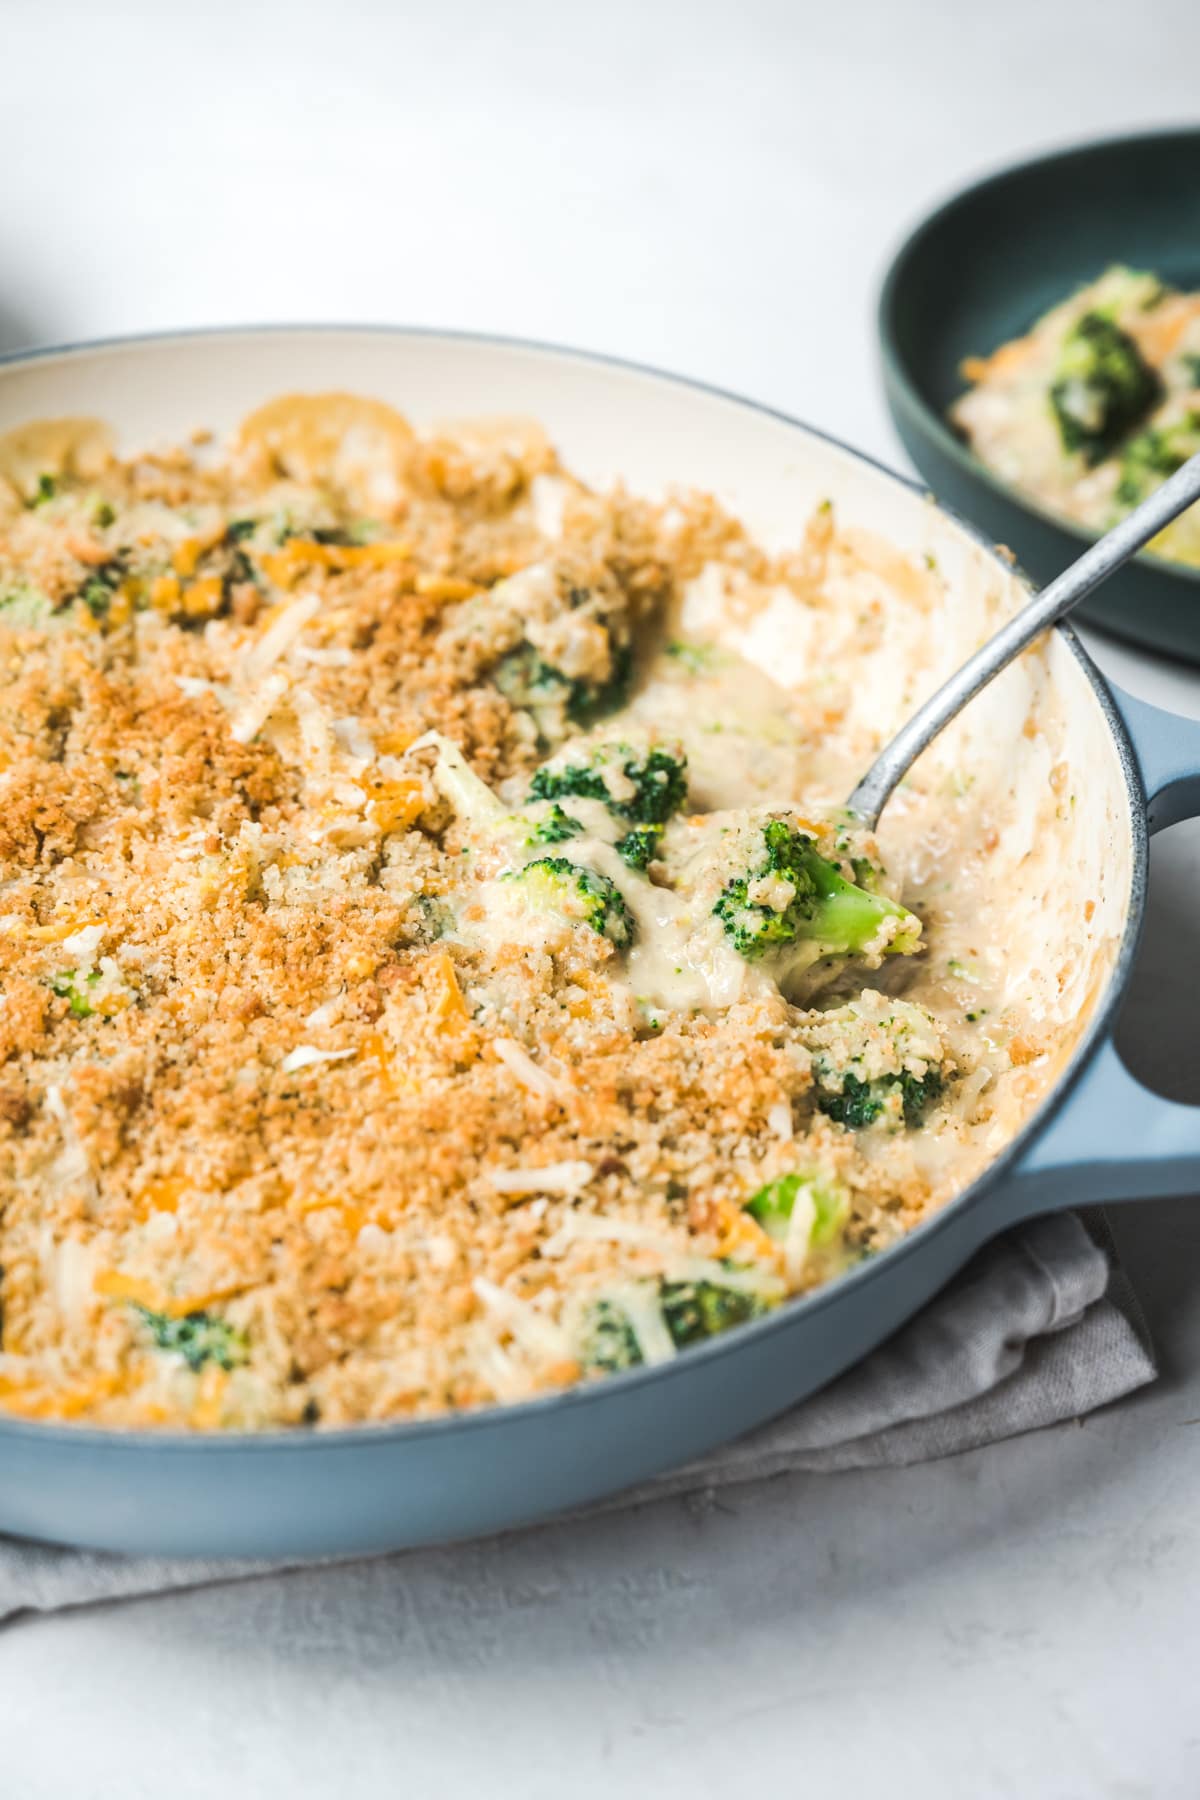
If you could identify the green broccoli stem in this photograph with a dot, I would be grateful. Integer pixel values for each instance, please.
(825, 913)
(846, 918)
(772, 1206)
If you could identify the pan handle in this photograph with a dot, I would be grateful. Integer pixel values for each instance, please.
(1113, 1138)
(1167, 747)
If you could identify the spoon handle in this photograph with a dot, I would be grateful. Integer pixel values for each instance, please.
(1045, 609)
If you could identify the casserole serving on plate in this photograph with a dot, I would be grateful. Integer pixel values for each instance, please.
(979, 271)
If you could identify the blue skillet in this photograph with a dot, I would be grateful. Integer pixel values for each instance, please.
(1096, 1135)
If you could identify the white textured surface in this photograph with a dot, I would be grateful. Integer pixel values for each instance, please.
(713, 188)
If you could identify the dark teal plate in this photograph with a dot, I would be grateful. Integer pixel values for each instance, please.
(980, 270)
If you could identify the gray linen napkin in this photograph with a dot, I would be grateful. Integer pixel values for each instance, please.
(1041, 1326)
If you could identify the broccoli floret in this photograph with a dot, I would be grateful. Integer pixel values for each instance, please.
(97, 591)
(772, 1206)
(608, 1341)
(876, 1061)
(578, 781)
(1155, 453)
(588, 701)
(640, 845)
(96, 596)
(285, 527)
(559, 647)
(690, 1311)
(526, 679)
(478, 807)
(1101, 387)
(199, 1337)
(858, 1104)
(637, 847)
(71, 985)
(644, 786)
(695, 1310)
(530, 682)
(436, 918)
(47, 488)
(242, 568)
(555, 828)
(552, 884)
(661, 783)
(792, 892)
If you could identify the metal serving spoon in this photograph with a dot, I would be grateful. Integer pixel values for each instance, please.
(1045, 609)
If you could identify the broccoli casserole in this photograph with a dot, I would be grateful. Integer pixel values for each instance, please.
(434, 967)
(1097, 405)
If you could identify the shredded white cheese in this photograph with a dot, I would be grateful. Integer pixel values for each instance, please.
(334, 657)
(72, 1275)
(316, 728)
(354, 740)
(520, 1064)
(373, 1238)
(780, 1121)
(587, 1227)
(548, 494)
(253, 714)
(506, 1379)
(639, 1303)
(304, 1055)
(457, 782)
(278, 638)
(527, 1327)
(799, 1233)
(969, 1090)
(71, 1164)
(551, 1178)
(752, 1279)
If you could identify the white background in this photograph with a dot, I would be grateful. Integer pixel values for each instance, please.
(713, 188)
